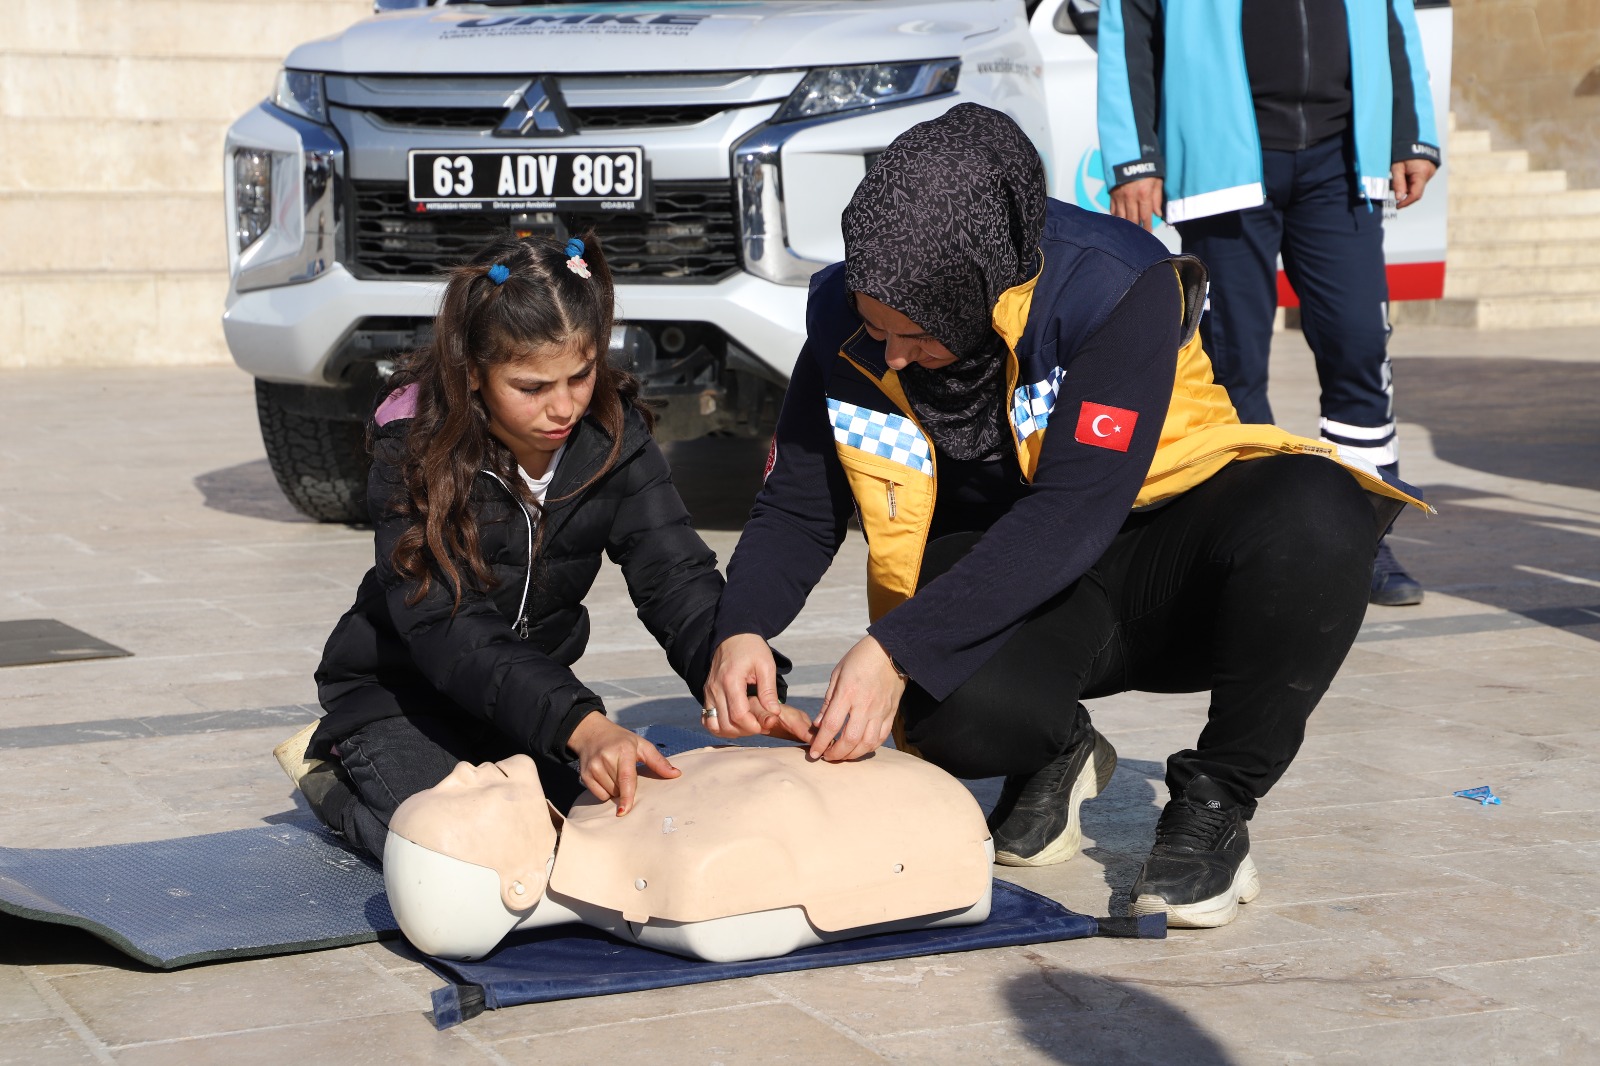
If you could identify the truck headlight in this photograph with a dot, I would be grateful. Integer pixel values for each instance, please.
(300, 93)
(832, 89)
(252, 195)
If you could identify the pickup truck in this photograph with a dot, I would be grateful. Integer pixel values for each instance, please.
(711, 143)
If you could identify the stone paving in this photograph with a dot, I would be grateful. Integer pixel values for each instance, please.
(1396, 924)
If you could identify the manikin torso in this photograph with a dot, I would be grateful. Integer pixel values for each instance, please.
(749, 853)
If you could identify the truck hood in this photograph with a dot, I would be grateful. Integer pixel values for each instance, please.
(598, 38)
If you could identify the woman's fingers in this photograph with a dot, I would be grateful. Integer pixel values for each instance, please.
(766, 681)
(740, 662)
(656, 762)
(598, 779)
(627, 784)
(792, 722)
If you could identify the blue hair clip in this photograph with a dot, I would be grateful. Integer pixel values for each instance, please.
(574, 249)
(499, 273)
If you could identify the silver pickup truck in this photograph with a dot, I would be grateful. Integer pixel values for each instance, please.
(711, 144)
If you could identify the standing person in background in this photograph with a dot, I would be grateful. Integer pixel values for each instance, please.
(1267, 126)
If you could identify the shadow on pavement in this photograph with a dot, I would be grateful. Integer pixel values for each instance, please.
(1122, 823)
(248, 489)
(1082, 1018)
(29, 943)
(1531, 419)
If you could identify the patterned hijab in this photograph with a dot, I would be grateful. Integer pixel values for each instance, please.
(947, 219)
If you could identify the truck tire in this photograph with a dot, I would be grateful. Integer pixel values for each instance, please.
(319, 459)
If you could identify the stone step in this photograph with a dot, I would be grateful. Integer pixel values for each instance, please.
(112, 155)
(1521, 228)
(78, 233)
(1483, 282)
(1469, 255)
(1508, 162)
(155, 319)
(220, 89)
(1499, 312)
(1526, 183)
(1537, 312)
(174, 28)
(1469, 141)
(1574, 202)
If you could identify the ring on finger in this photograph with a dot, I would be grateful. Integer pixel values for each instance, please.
(708, 713)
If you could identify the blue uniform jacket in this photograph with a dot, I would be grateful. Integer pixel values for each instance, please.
(1192, 121)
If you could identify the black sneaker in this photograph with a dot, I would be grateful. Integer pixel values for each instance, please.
(1036, 821)
(1200, 868)
(1391, 585)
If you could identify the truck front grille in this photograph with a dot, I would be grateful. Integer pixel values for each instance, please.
(656, 116)
(690, 236)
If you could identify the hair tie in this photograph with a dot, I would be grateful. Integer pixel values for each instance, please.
(575, 261)
(499, 273)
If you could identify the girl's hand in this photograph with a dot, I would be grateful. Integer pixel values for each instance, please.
(859, 708)
(609, 758)
(741, 661)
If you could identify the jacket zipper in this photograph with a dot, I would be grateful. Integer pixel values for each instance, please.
(521, 624)
(894, 508)
(1305, 78)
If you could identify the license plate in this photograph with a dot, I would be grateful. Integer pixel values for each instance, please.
(494, 179)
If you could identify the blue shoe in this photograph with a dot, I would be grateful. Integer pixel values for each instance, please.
(1391, 585)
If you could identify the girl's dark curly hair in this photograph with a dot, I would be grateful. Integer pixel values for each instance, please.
(541, 304)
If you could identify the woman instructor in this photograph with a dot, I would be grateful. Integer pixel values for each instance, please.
(1058, 503)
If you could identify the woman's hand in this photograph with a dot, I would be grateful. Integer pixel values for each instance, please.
(859, 708)
(609, 758)
(741, 661)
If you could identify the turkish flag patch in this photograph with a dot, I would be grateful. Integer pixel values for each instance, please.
(1106, 427)
(772, 459)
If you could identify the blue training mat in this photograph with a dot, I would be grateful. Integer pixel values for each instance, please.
(265, 891)
(569, 962)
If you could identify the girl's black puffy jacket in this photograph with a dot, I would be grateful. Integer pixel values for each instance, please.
(387, 657)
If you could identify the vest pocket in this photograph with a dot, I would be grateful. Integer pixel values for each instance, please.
(895, 504)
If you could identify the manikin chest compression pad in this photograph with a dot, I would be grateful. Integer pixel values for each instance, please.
(277, 889)
(689, 851)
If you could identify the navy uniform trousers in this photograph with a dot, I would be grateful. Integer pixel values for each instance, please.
(1332, 245)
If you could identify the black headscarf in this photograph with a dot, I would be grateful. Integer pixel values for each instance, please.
(947, 219)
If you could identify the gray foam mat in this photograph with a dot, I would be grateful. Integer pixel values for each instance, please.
(30, 641)
(171, 903)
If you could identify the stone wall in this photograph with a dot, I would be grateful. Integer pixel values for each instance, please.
(1528, 71)
(112, 116)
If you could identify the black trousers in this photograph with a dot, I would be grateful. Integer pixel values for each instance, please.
(387, 762)
(1331, 239)
(1252, 585)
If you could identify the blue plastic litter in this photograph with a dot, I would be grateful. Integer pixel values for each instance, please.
(1483, 794)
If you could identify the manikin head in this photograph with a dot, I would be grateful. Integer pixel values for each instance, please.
(467, 859)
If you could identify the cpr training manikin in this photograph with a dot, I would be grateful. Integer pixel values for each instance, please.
(748, 854)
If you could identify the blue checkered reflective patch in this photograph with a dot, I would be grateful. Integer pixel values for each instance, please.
(1031, 404)
(892, 437)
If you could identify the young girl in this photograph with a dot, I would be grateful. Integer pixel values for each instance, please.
(509, 455)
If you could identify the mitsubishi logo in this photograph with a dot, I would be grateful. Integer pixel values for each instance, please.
(536, 112)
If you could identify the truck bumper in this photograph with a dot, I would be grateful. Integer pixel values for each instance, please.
(292, 334)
